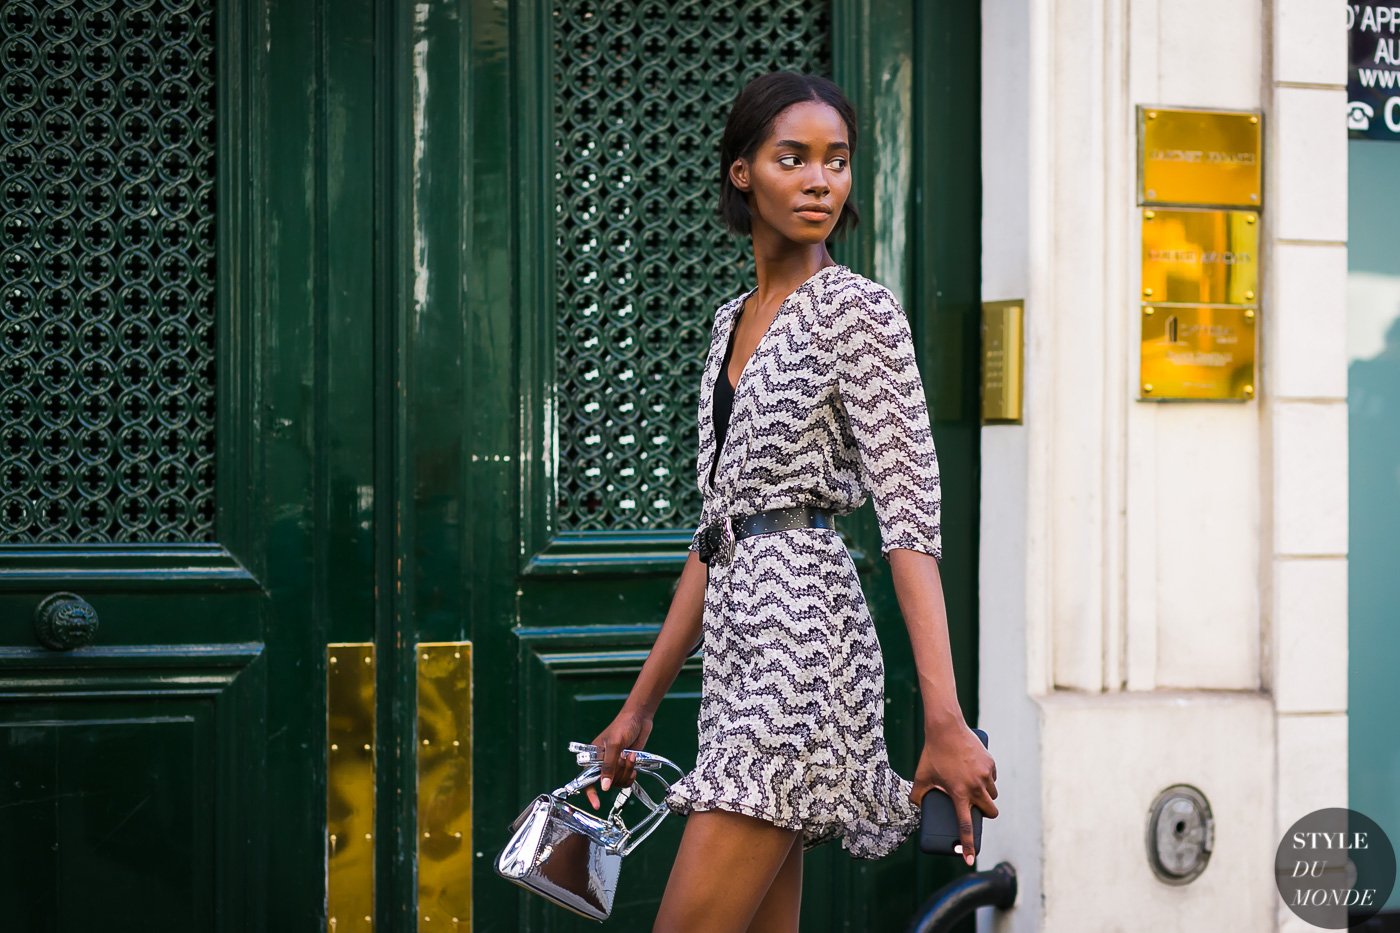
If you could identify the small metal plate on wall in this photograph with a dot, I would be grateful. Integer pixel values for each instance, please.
(1195, 352)
(350, 787)
(444, 786)
(1200, 256)
(1199, 157)
(1002, 357)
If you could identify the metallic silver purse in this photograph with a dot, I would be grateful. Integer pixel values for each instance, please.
(572, 856)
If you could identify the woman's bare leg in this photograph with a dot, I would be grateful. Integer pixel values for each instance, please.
(782, 906)
(725, 865)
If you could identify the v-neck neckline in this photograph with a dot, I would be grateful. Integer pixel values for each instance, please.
(734, 328)
(729, 433)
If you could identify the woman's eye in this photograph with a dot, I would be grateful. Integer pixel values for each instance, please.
(840, 162)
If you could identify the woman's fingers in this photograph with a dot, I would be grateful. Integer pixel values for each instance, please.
(590, 792)
(981, 796)
(617, 768)
(610, 755)
(964, 811)
(631, 768)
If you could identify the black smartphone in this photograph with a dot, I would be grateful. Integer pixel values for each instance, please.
(938, 823)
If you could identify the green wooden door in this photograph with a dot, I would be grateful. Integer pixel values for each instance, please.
(186, 374)
(595, 263)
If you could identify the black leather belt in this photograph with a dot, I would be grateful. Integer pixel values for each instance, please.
(716, 542)
(798, 516)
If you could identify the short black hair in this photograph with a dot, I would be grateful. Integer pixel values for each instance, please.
(750, 121)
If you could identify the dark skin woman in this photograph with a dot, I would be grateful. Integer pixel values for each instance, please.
(735, 872)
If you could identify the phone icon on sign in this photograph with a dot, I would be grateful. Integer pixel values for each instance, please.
(1359, 115)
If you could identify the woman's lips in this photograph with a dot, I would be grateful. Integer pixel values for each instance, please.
(818, 216)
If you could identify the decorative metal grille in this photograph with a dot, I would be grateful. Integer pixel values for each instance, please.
(107, 368)
(641, 92)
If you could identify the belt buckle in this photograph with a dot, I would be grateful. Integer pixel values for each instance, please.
(717, 541)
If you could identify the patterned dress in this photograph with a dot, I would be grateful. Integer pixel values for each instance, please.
(830, 407)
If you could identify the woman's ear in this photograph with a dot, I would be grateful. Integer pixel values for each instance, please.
(739, 174)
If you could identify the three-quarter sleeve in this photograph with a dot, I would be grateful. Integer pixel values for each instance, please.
(883, 398)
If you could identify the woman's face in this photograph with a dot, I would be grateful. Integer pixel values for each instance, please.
(804, 163)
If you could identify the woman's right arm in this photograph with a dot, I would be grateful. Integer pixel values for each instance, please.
(679, 634)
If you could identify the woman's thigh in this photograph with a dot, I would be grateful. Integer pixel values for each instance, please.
(781, 908)
(725, 866)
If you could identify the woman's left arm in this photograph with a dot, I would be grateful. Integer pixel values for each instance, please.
(883, 397)
(952, 758)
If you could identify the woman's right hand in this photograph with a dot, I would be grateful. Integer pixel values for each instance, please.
(629, 730)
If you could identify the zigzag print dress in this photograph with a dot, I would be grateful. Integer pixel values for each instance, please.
(830, 407)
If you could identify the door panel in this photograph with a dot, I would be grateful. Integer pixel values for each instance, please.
(133, 762)
(124, 780)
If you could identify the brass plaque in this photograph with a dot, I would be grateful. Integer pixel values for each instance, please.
(445, 787)
(1199, 157)
(350, 787)
(1002, 356)
(1194, 352)
(1200, 256)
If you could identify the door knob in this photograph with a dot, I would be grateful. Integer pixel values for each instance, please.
(64, 621)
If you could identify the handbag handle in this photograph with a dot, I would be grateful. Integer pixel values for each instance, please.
(647, 764)
(585, 777)
(656, 810)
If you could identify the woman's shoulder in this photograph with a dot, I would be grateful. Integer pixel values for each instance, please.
(851, 299)
(725, 310)
(848, 282)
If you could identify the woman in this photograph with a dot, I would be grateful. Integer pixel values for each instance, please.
(810, 399)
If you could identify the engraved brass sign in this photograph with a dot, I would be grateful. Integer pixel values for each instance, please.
(1200, 256)
(1195, 352)
(1199, 157)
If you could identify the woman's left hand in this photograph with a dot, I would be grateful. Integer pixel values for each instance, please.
(955, 761)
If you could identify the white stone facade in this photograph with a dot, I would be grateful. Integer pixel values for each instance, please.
(1163, 586)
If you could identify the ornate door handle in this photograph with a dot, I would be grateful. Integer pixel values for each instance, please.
(64, 621)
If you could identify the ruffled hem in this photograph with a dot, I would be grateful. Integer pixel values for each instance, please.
(868, 809)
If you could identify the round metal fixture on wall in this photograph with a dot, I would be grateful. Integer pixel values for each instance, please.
(1180, 834)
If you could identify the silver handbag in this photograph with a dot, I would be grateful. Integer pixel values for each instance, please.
(572, 856)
